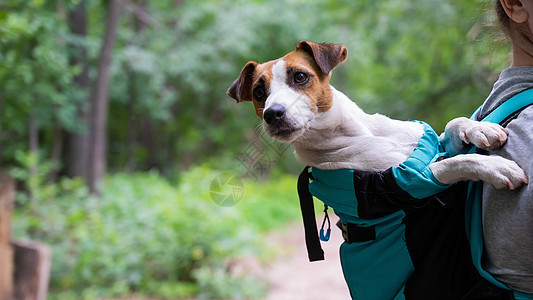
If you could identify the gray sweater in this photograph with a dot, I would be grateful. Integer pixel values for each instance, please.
(508, 215)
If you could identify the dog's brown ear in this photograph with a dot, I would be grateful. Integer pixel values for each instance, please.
(327, 56)
(241, 89)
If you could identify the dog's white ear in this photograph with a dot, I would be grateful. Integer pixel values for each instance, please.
(241, 89)
(327, 56)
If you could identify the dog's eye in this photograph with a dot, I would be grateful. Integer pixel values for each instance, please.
(259, 93)
(300, 77)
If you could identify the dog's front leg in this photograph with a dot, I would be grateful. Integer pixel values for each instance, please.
(484, 135)
(496, 170)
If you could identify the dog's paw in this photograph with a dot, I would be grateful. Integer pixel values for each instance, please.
(484, 135)
(504, 174)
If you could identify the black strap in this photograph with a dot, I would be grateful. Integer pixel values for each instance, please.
(314, 250)
(357, 234)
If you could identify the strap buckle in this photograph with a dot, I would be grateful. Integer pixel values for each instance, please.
(357, 234)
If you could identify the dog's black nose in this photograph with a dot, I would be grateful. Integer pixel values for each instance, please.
(274, 114)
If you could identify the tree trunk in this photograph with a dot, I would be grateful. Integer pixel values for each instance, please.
(1, 129)
(131, 128)
(32, 264)
(100, 101)
(33, 145)
(33, 135)
(57, 151)
(149, 140)
(133, 80)
(7, 194)
(77, 156)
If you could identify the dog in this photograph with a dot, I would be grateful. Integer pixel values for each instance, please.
(297, 105)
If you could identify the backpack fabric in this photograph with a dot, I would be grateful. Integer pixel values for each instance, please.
(405, 231)
(502, 114)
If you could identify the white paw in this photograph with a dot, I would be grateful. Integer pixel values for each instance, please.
(504, 174)
(484, 135)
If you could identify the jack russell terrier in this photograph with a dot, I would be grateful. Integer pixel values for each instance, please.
(297, 105)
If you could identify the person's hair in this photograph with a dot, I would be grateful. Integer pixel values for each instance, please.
(503, 18)
(518, 33)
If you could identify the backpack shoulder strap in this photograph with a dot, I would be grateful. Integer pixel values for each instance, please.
(501, 115)
(312, 242)
(508, 108)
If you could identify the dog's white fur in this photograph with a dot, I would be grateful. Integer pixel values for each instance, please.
(345, 137)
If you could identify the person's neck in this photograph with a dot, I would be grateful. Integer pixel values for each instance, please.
(521, 57)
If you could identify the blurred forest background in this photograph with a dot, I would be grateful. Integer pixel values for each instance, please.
(115, 122)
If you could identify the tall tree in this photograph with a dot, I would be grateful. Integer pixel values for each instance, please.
(140, 9)
(78, 142)
(100, 101)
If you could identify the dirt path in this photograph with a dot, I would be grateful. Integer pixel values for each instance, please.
(293, 277)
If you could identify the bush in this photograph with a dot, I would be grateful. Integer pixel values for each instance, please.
(147, 236)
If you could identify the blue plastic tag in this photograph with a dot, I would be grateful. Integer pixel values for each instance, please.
(323, 237)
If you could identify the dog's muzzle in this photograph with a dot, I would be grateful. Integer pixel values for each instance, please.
(274, 114)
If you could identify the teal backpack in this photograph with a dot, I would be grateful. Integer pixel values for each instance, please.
(404, 232)
(502, 114)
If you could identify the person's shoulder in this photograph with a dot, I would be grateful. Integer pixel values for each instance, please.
(518, 72)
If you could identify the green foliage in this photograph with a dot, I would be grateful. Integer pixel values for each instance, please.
(33, 170)
(35, 77)
(427, 60)
(148, 236)
(173, 61)
(418, 59)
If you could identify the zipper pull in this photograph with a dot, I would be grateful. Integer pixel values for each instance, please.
(323, 237)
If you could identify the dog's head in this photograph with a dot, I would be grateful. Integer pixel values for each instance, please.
(289, 92)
